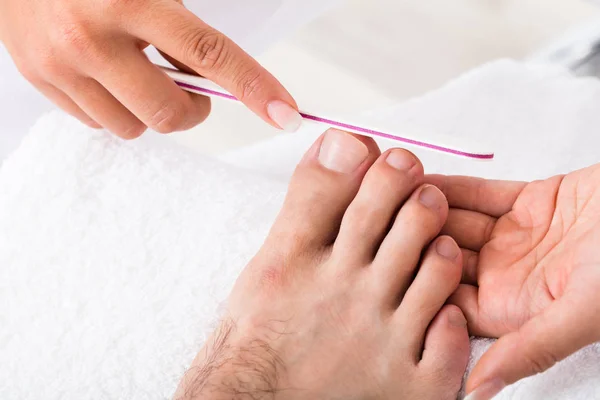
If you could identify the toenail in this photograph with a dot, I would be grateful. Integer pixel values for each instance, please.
(401, 160)
(457, 319)
(430, 197)
(487, 391)
(447, 248)
(342, 152)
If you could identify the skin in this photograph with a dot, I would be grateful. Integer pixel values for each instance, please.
(86, 56)
(531, 269)
(346, 298)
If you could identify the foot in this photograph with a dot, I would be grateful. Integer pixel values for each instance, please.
(345, 300)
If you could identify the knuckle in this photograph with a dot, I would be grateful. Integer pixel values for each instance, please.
(168, 118)
(49, 67)
(536, 356)
(541, 362)
(72, 37)
(248, 83)
(206, 49)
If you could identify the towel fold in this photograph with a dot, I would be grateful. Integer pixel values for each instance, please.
(115, 256)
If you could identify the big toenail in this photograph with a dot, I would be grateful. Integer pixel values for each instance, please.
(401, 160)
(430, 197)
(447, 248)
(342, 152)
(457, 319)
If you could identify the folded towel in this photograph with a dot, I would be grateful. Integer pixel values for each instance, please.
(115, 256)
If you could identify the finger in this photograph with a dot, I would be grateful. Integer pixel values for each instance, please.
(491, 197)
(469, 271)
(491, 325)
(63, 101)
(179, 65)
(471, 230)
(149, 93)
(102, 107)
(174, 30)
(466, 297)
(539, 344)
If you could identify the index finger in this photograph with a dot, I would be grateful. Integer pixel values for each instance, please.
(176, 31)
(491, 197)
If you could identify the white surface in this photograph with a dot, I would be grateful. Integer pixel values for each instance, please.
(20, 105)
(116, 254)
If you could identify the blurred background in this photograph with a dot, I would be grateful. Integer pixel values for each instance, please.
(362, 55)
(341, 57)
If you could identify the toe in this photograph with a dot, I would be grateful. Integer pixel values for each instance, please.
(322, 187)
(446, 352)
(416, 224)
(387, 185)
(438, 277)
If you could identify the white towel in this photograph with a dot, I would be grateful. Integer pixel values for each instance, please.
(115, 256)
(113, 259)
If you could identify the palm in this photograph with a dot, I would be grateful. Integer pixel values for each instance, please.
(527, 246)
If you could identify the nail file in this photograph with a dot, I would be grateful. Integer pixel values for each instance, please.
(448, 145)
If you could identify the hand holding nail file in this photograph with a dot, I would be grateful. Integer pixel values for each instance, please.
(196, 84)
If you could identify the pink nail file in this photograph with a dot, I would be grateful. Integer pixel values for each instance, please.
(448, 145)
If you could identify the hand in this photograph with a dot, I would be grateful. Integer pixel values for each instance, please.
(531, 272)
(87, 57)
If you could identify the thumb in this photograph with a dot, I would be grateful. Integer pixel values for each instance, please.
(562, 329)
(177, 32)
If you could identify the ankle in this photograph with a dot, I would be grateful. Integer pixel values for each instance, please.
(233, 368)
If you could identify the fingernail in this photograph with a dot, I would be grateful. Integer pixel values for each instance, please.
(487, 391)
(430, 197)
(447, 248)
(457, 319)
(342, 152)
(284, 115)
(401, 160)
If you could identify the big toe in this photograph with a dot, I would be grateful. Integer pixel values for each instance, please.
(322, 187)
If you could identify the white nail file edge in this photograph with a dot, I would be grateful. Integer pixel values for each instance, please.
(448, 145)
